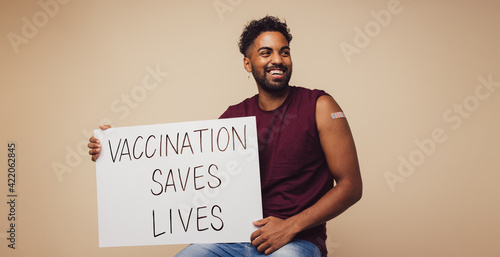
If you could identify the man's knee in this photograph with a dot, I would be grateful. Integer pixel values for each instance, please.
(198, 250)
(300, 248)
(213, 250)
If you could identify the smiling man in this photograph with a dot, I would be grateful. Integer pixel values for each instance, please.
(305, 144)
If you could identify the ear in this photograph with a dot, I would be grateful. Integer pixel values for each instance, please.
(247, 64)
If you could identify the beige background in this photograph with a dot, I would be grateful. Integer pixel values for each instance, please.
(407, 81)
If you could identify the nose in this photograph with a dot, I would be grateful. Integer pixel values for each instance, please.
(276, 58)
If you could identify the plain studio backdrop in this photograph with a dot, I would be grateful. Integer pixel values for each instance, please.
(418, 80)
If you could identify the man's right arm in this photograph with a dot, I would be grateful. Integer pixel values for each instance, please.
(95, 145)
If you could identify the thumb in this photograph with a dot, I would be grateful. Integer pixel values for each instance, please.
(104, 127)
(260, 223)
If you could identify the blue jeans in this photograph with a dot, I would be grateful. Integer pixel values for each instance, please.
(296, 248)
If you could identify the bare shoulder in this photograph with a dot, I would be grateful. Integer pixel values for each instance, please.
(325, 107)
(336, 139)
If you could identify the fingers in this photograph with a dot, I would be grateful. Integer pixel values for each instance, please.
(95, 144)
(255, 235)
(271, 235)
(263, 245)
(95, 149)
(261, 222)
(93, 140)
(94, 154)
(94, 157)
(258, 232)
(269, 251)
(257, 240)
(104, 127)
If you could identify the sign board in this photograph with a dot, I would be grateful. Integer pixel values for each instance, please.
(179, 183)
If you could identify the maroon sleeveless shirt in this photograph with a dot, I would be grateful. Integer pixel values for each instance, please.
(293, 169)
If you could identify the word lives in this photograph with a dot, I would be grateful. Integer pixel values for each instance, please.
(184, 219)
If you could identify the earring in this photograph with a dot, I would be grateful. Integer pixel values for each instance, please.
(249, 75)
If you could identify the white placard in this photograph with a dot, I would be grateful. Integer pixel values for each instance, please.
(179, 183)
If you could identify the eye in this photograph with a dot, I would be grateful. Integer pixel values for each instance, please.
(285, 53)
(265, 53)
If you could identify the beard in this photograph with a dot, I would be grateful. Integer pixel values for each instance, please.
(270, 85)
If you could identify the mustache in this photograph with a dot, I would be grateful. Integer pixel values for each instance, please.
(279, 66)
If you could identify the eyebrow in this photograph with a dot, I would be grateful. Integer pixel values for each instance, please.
(269, 48)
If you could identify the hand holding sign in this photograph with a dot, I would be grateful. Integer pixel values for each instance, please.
(95, 144)
(191, 182)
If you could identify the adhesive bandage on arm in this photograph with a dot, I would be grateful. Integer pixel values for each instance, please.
(337, 115)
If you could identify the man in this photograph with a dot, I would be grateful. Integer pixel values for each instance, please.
(305, 144)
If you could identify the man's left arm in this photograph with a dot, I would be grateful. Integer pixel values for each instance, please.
(340, 152)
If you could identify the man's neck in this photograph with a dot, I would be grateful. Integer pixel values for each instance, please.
(269, 101)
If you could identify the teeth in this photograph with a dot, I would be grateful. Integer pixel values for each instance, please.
(276, 72)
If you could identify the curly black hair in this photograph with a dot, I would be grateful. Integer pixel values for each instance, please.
(254, 28)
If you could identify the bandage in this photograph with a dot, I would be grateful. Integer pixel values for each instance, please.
(337, 115)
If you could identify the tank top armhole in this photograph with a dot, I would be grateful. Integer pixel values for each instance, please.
(319, 93)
